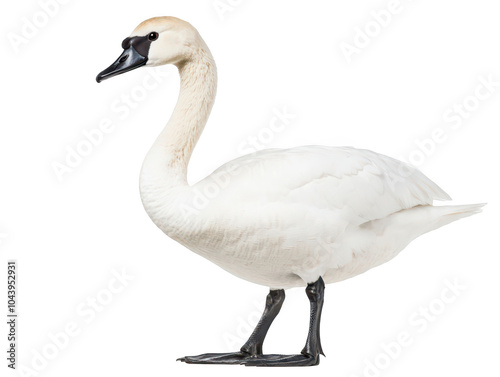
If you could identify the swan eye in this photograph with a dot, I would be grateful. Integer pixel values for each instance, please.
(153, 36)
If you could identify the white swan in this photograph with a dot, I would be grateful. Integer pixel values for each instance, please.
(281, 218)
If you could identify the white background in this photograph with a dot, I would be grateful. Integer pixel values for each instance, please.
(69, 236)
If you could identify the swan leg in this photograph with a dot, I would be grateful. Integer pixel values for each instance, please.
(310, 353)
(253, 347)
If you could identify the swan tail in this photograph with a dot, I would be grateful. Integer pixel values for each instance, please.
(400, 228)
(429, 218)
(448, 214)
(378, 241)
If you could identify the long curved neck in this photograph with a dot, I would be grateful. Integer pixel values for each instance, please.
(167, 161)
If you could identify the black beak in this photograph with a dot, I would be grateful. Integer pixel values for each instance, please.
(127, 61)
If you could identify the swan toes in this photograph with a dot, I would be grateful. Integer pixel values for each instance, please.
(299, 360)
(216, 358)
(243, 358)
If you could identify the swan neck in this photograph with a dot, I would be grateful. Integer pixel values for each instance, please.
(169, 156)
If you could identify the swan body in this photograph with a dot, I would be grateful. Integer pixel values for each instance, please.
(281, 218)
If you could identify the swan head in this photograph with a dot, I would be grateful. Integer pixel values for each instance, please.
(157, 41)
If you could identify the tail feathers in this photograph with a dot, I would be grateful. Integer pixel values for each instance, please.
(448, 214)
(424, 219)
(402, 227)
(471, 209)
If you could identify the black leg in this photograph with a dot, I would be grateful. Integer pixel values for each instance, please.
(316, 294)
(253, 346)
(310, 354)
(274, 302)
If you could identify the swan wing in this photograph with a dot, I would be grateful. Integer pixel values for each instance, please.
(360, 184)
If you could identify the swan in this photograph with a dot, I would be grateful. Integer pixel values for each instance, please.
(282, 218)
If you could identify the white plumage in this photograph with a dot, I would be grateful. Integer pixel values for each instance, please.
(280, 218)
